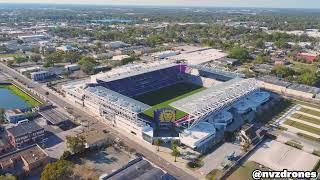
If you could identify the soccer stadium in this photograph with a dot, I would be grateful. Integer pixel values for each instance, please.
(162, 99)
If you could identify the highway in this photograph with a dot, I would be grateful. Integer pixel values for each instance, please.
(59, 101)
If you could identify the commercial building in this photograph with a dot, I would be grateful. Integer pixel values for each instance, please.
(41, 75)
(72, 67)
(163, 54)
(16, 115)
(24, 161)
(25, 134)
(198, 56)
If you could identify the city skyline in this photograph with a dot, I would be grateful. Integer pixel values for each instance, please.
(312, 4)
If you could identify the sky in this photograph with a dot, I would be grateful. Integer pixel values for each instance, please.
(214, 3)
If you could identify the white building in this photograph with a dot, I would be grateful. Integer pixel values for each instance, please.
(163, 54)
(40, 75)
(119, 57)
(72, 67)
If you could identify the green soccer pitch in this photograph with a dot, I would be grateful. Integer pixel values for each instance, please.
(161, 98)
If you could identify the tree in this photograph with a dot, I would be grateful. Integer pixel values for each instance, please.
(239, 53)
(35, 57)
(175, 153)
(52, 58)
(20, 59)
(65, 155)
(87, 64)
(283, 71)
(260, 59)
(308, 78)
(19, 41)
(87, 67)
(85, 59)
(174, 144)
(58, 170)
(2, 111)
(158, 142)
(76, 144)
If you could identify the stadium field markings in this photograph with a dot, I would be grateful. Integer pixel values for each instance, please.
(163, 97)
(306, 118)
(302, 126)
(309, 111)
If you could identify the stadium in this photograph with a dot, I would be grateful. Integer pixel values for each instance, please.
(192, 103)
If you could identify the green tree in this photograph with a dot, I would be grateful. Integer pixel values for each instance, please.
(87, 67)
(260, 59)
(58, 170)
(308, 78)
(85, 59)
(283, 71)
(2, 111)
(35, 57)
(239, 53)
(52, 58)
(158, 143)
(66, 154)
(175, 153)
(76, 144)
(19, 41)
(20, 59)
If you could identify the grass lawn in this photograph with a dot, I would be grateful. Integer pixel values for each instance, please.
(7, 55)
(308, 137)
(306, 104)
(302, 126)
(32, 102)
(294, 144)
(306, 118)
(245, 170)
(309, 111)
(163, 97)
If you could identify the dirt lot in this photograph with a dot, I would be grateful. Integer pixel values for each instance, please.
(101, 162)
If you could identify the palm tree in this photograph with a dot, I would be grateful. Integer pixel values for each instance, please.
(175, 153)
(174, 144)
(158, 142)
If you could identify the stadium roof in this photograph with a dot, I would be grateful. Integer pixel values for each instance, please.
(134, 70)
(200, 56)
(216, 97)
(218, 71)
(118, 98)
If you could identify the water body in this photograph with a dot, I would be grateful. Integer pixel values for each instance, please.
(8, 100)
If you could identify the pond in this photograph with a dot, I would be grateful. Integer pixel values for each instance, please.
(9, 100)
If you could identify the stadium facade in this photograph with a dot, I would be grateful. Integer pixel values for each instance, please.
(225, 104)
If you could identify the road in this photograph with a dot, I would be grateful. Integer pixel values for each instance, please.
(59, 101)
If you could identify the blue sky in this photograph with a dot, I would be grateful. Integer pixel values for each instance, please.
(217, 3)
